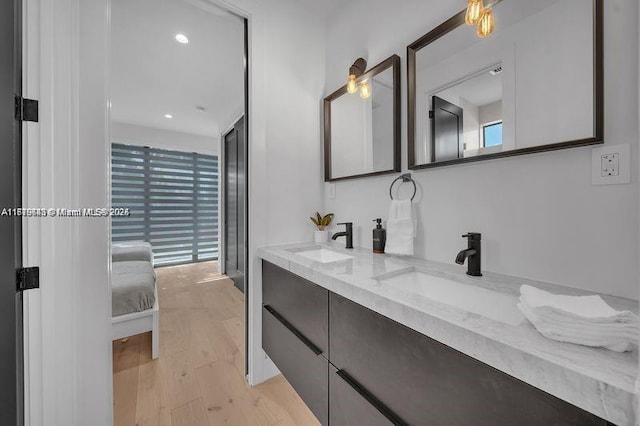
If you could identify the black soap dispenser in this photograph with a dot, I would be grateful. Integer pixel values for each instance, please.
(379, 237)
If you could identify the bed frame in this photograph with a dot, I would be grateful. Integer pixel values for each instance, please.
(139, 322)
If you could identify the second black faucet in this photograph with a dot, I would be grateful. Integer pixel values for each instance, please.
(472, 253)
(348, 233)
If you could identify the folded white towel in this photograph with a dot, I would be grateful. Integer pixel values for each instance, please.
(401, 228)
(615, 340)
(589, 308)
(584, 320)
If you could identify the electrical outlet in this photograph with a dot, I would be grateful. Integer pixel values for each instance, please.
(610, 165)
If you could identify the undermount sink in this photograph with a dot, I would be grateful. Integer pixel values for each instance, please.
(323, 255)
(487, 303)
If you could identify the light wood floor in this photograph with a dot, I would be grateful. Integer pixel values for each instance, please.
(199, 377)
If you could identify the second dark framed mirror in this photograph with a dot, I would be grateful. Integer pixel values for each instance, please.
(535, 84)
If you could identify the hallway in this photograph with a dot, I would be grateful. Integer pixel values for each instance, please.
(198, 378)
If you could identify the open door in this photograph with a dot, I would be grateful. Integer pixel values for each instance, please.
(446, 130)
(11, 350)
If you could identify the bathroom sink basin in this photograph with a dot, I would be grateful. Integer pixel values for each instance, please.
(487, 303)
(323, 255)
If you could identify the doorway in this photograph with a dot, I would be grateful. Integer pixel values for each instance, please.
(179, 78)
(446, 130)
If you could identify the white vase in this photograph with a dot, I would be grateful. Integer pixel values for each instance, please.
(321, 236)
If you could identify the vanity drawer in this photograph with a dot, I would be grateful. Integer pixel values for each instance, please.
(349, 405)
(427, 383)
(302, 303)
(299, 362)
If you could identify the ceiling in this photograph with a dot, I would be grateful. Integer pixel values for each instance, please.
(153, 75)
(325, 8)
(483, 89)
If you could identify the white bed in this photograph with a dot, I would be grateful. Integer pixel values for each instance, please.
(132, 323)
(139, 322)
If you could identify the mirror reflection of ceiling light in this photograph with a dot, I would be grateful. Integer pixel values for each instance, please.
(168, 116)
(181, 38)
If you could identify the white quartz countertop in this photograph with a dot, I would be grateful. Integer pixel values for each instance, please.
(597, 380)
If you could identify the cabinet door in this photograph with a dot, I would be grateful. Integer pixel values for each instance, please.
(302, 303)
(427, 383)
(299, 361)
(349, 404)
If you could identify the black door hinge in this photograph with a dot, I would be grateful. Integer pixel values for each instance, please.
(430, 114)
(26, 109)
(28, 278)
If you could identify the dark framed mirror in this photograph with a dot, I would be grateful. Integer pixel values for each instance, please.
(362, 135)
(535, 84)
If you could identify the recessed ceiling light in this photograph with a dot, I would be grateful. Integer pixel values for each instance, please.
(168, 116)
(181, 38)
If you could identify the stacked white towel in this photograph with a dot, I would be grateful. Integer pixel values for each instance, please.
(585, 320)
(401, 228)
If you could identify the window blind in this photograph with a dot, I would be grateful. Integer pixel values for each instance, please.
(173, 200)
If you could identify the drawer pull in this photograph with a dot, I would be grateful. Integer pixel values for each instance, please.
(316, 350)
(382, 409)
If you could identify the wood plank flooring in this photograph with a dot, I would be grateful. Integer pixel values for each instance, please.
(198, 380)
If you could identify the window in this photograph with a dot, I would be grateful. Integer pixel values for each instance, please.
(173, 200)
(492, 134)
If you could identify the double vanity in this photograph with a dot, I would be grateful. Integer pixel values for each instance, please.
(370, 339)
(378, 339)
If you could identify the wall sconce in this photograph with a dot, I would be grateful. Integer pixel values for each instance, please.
(474, 10)
(357, 69)
(481, 17)
(486, 24)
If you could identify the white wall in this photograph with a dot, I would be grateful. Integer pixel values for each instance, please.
(490, 113)
(350, 135)
(539, 214)
(382, 123)
(470, 124)
(133, 134)
(287, 84)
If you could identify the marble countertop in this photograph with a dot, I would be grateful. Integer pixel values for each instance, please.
(597, 380)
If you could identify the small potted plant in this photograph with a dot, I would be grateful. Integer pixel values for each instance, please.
(321, 223)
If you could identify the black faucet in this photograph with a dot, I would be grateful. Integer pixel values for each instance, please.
(473, 253)
(347, 233)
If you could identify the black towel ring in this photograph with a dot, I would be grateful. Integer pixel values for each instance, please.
(405, 178)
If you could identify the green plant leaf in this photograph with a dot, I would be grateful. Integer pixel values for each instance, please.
(326, 220)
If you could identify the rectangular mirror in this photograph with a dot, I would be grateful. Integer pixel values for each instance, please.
(534, 85)
(362, 136)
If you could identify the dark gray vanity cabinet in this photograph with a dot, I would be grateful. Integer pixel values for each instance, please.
(303, 368)
(424, 382)
(295, 334)
(353, 366)
(348, 406)
(304, 304)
